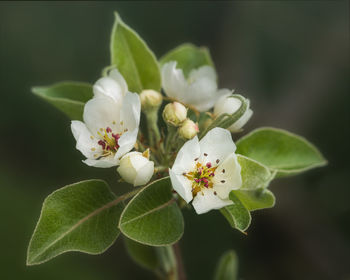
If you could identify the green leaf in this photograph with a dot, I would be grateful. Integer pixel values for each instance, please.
(280, 150)
(69, 97)
(254, 174)
(79, 217)
(227, 268)
(236, 214)
(152, 217)
(256, 199)
(188, 57)
(144, 255)
(135, 61)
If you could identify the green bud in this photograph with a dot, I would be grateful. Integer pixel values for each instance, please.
(150, 99)
(174, 113)
(188, 129)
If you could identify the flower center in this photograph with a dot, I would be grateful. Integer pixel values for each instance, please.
(201, 177)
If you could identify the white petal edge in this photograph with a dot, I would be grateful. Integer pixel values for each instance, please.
(185, 159)
(144, 174)
(229, 179)
(217, 144)
(181, 185)
(208, 201)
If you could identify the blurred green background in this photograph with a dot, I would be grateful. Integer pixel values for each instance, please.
(290, 58)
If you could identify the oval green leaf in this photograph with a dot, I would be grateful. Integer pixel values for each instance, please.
(280, 150)
(68, 97)
(133, 58)
(152, 217)
(227, 267)
(236, 214)
(188, 57)
(256, 199)
(254, 174)
(79, 217)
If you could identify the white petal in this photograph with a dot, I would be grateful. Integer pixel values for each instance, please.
(185, 159)
(85, 144)
(242, 121)
(126, 143)
(144, 174)
(206, 71)
(130, 111)
(101, 112)
(216, 145)
(115, 75)
(173, 81)
(225, 104)
(227, 176)
(108, 87)
(202, 94)
(181, 185)
(207, 201)
(103, 163)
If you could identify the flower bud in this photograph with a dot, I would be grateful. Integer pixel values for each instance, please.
(188, 129)
(174, 113)
(135, 168)
(150, 99)
(228, 104)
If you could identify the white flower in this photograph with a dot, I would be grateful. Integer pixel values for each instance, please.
(229, 104)
(111, 122)
(207, 170)
(199, 90)
(135, 168)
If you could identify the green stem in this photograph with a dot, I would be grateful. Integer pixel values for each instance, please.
(152, 126)
(168, 263)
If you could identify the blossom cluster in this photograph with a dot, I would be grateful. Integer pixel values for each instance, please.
(203, 171)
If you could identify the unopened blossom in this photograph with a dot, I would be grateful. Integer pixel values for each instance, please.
(150, 99)
(136, 168)
(229, 104)
(111, 122)
(199, 90)
(174, 113)
(188, 129)
(206, 171)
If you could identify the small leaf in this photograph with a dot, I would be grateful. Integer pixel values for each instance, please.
(188, 57)
(256, 199)
(236, 214)
(79, 217)
(254, 174)
(133, 58)
(69, 97)
(152, 217)
(281, 151)
(144, 255)
(227, 268)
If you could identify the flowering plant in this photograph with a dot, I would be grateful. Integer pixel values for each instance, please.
(184, 155)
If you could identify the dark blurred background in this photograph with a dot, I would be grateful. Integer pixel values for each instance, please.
(290, 58)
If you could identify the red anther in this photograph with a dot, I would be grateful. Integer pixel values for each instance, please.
(108, 148)
(197, 180)
(102, 143)
(208, 164)
(205, 180)
(116, 136)
(108, 129)
(212, 174)
(206, 185)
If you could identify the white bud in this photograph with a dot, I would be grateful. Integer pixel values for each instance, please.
(135, 168)
(188, 129)
(228, 104)
(150, 99)
(174, 113)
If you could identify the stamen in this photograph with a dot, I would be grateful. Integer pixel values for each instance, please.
(195, 159)
(222, 181)
(217, 161)
(208, 164)
(215, 193)
(205, 154)
(92, 137)
(93, 149)
(113, 122)
(108, 129)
